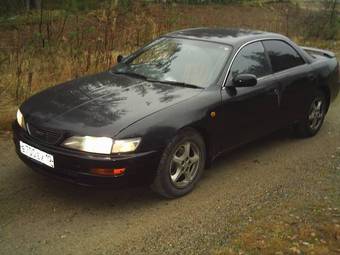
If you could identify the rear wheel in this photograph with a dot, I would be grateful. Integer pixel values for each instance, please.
(181, 165)
(314, 118)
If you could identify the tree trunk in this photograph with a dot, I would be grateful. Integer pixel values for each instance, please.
(115, 3)
(333, 12)
(28, 4)
(33, 4)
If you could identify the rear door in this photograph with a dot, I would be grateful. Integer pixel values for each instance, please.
(294, 77)
(247, 113)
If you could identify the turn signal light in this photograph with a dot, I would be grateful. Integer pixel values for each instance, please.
(118, 171)
(108, 172)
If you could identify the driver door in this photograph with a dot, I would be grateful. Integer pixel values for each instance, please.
(249, 112)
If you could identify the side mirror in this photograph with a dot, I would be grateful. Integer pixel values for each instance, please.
(120, 58)
(244, 80)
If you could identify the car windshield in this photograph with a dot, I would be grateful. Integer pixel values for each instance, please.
(178, 61)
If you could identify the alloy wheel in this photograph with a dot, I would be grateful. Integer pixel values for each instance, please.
(316, 114)
(184, 164)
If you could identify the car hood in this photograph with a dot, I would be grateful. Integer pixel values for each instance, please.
(101, 104)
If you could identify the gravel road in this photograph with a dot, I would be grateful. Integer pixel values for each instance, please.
(44, 216)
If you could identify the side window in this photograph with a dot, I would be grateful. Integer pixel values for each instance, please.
(282, 55)
(251, 60)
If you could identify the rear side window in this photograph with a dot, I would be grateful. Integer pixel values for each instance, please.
(282, 55)
(251, 60)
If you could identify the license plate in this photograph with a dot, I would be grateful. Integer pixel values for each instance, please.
(36, 154)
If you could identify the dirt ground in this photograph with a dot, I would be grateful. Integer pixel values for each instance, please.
(278, 195)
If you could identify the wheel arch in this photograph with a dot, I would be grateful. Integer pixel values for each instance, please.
(203, 132)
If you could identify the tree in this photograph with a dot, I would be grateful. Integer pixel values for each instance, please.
(33, 4)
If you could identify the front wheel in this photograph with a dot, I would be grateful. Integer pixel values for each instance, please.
(314, 118)
(181, 165)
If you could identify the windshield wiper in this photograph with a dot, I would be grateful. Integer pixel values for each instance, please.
(177, 83)
(136, 75)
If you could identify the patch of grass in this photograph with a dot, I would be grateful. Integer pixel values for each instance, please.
(30, 18)
(7, 115)
(293, 227)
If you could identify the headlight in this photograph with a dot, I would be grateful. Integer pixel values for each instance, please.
(20, 119)
(101, 145)
(127, 145)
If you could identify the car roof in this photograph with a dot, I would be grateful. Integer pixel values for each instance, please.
(231, 36)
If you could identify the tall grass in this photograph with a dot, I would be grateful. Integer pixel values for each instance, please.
(42, 48)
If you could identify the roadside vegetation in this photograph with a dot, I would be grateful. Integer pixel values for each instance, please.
(43, 43)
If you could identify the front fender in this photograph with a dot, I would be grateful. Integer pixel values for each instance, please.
(159, 128)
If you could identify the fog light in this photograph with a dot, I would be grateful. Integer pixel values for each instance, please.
(108, 172)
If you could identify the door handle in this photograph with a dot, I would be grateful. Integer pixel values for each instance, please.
(277, 92)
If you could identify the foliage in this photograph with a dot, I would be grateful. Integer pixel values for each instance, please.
(43, 47)
(324, 23)
(12, 7)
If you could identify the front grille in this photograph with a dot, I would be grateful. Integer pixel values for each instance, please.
(44, 135)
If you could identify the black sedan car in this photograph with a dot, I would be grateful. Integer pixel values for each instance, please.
(166, 111)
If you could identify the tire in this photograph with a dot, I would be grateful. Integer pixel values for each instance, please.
(181, 165)
(314, 117)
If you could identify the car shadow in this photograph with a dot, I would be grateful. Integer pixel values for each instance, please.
(255, 147)
(94, 196)
(133, 197)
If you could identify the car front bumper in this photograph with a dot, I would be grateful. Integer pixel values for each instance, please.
(74, 166)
